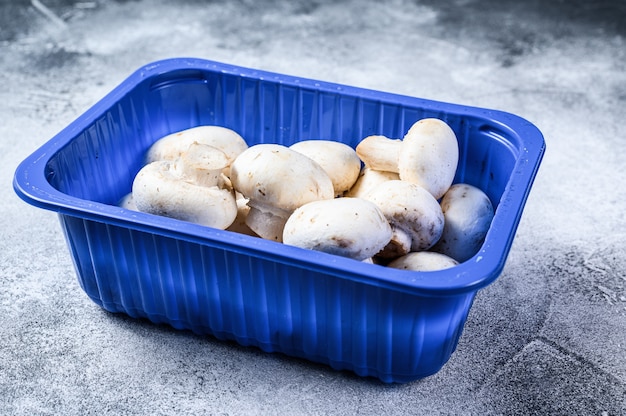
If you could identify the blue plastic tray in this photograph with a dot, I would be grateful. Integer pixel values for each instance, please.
(392, 324)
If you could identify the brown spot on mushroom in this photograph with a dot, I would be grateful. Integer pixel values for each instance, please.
(342, 242)
(392, 250)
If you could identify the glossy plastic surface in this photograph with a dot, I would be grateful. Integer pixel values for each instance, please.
(391, 324)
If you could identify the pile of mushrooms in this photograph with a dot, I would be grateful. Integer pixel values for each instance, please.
(388, 202)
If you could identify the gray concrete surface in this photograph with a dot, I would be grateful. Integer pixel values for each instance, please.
(548, 337)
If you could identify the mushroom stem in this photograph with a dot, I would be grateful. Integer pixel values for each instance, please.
(380, 153)
(266, 224)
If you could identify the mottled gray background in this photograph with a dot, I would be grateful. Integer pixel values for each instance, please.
(548, 337)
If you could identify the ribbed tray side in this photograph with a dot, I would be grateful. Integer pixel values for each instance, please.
(276, 307)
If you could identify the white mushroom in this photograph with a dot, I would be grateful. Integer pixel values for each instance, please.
(380, 153)
(348, 227)
(173, 145)
(201, 164)
(338, 159)
(128, 202)
(423, 261)
(277, 180)
(186, 189)
(243, 209)
(429, 156)
(414, 214)
(368, 179)
(468, 213)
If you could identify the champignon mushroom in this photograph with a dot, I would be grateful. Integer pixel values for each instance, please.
(468, 213)
(186, 189)
(368, 179)
(429, 156)
(348, 227)
(243, 209)
(172, 146)
(338, 159)
(277, 180)
(414, 214)
(128, 202)
(379, 152)
(423, 261)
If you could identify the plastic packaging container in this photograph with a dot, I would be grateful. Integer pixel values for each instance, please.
(392, 324)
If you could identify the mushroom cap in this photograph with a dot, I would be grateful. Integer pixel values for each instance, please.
(423, 261)
(339, 160)
(278, 179)
(158, 189)
(172, 146)
(429, 156)
(468, 213)
(411, 209)
(201, 164)
(348, 227)
(128, 202)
